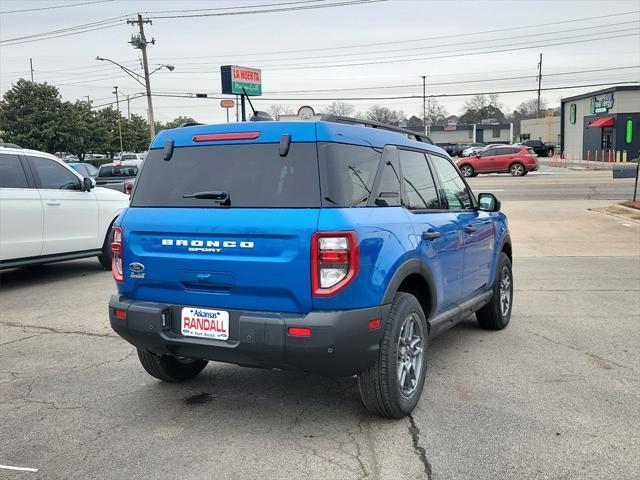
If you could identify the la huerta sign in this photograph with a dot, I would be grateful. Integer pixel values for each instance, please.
(602, 104)
(238, 80)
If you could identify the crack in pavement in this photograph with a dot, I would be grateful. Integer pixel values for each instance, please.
(419, 451)
(52, 330)
(20, 339)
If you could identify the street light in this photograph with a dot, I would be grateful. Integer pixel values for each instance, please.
(144, 81)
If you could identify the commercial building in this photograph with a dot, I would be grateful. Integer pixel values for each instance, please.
(476, 133)
(603, 123)
(546, 129)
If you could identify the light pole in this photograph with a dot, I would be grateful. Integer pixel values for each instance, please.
(424, 103)
(144, 81)
(115, 91)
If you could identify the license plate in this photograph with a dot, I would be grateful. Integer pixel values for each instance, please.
(205, 323)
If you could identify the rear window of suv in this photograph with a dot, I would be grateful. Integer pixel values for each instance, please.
(253, 175)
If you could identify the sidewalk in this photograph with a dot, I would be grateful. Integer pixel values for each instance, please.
(557, 161)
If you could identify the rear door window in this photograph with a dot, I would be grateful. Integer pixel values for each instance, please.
(419, 187)
(253, 175)
(11, 172)
(347, 173)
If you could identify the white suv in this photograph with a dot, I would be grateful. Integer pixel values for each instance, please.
(49, 212)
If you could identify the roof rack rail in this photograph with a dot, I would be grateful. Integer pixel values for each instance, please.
(190, 124)
(412, 135)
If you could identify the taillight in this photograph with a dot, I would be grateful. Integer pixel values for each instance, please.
(116, 254)
(128, 187)
(335, 260)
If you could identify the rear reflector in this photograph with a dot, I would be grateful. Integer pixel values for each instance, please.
(221, 137)
(121, 314)
(299, 332)
(375, 323)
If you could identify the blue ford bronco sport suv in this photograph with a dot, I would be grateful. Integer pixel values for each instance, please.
(325, 246)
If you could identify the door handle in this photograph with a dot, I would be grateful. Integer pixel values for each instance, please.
(430, 235)
(470, 229)
(52, 202)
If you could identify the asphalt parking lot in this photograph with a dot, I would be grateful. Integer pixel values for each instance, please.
(555, 395)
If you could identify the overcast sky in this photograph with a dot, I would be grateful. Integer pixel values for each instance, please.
(298, 50)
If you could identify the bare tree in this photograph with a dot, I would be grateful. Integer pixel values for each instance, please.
(480, 101)
(436, 113)
(381, 114)
(341, 109)
(279, 109)
(529, 108)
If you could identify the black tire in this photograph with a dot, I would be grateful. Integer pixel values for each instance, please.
(493, 316)
(467, 171)
(379, 385)
(517, 170)
(105, 257)
(550, 152)
(168, 368)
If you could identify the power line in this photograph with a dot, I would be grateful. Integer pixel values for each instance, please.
(34, 36)
(346, 3)
(500, 30)
(51, 7)
(447, 55)
(458, 82)
(233, 8)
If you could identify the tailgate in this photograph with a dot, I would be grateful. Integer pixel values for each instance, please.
(253, 259)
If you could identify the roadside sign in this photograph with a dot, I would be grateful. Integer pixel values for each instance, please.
(238, 80)
(227, 103)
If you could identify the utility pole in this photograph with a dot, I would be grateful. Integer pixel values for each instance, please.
(128, 107)
(539, 84)
(424, 103)
(140, 42)
(88, 99)
(119, 122)
(31, 67)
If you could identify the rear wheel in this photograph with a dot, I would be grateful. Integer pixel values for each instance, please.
(105, 257)
(497, 313)
(517, 170)
(550, 152)
(467, 171)
(168, 368)
(392, 386)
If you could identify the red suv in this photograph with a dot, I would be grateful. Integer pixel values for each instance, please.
(517, 160)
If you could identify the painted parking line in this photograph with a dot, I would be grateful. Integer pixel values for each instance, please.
(21, 469)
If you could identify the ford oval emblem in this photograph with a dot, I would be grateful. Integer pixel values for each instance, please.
(136, 267)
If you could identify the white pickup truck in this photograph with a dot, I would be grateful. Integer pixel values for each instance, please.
(50, 213)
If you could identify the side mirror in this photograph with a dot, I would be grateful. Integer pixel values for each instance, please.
(488, 202)
(88, 183)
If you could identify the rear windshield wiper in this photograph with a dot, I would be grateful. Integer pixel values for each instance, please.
(222, 197)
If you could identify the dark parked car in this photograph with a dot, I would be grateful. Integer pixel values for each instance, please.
(118, 176)
(541, 148)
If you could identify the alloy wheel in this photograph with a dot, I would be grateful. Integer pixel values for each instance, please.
(505, 291)
(410, 361)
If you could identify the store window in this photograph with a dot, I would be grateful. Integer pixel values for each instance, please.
(572, 113)
(496, 133)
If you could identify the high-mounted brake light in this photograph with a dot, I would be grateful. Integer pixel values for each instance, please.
(221, 137)
(116, 255)
(335, 260)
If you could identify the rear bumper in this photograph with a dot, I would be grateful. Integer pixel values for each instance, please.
(340, 344)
